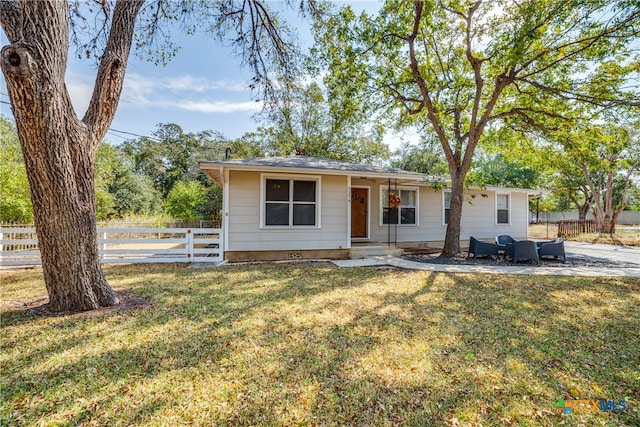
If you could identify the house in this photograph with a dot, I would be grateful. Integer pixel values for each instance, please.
(305, 207)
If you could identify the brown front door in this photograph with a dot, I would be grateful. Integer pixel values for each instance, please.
(359, 213)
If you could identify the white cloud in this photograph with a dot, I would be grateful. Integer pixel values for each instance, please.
(219, 106)
(187, 82)
(142, 91)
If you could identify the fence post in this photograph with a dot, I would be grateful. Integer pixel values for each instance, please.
(189, 245)
(103, 246)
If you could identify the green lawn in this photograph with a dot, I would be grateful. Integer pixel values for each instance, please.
(279, 344)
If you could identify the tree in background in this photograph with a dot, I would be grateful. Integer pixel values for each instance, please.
(59, 147)
(15, 198)
(186, 200)
(170, 155)
(609, 158)
(458, 68)
(424, 158)
(495, 169)
(303, 122)
(120, 190)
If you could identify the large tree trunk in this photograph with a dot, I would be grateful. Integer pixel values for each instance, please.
(452, 237)
(59, 149)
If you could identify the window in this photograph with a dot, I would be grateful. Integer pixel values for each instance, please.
(502, 208)
(406, 212)
(447, 206)
(290, 202)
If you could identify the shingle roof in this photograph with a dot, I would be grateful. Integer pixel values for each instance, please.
(304, 162)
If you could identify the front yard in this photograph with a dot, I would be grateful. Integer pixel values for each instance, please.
(281, 344)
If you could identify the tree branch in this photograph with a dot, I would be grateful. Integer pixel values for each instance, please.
(110, 76)
(426, 101)
(10, 17)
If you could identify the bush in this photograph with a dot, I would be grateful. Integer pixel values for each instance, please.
(186, 200)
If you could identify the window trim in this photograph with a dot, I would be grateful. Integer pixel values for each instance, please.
(416, 206)
(508, 208)
(291, 178)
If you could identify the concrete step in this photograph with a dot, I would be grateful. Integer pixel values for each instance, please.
(359, 252)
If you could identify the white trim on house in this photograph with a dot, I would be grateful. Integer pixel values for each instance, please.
(416, 206)
(509, 207)
(291, 178)
(368, 238)
(225, 207)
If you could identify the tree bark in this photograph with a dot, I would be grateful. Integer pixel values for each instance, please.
(454, 225)
(59, 149)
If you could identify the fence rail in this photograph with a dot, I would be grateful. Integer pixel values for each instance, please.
(19, 246)
(575, 227)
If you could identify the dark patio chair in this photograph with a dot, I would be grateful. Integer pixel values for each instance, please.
(479, 248)
(554, 248)
(522, 250)
(542, 242)
(502, 241)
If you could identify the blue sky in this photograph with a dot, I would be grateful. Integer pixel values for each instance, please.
(202, 88)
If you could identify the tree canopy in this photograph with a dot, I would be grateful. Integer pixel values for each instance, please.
(459, 69)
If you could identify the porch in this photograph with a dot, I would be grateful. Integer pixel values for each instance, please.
(360, 249)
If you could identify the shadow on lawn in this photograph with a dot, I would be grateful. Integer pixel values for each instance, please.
(286, 344)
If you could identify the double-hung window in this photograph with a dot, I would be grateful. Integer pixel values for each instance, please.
(406, 211)
(502, 209)
(291, 202)
(446, 197)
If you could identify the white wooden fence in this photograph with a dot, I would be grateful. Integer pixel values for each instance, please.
(19, 246)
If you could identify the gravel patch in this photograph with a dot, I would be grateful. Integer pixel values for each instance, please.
(571, 261)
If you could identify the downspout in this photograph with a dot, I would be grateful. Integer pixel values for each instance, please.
(224, 174)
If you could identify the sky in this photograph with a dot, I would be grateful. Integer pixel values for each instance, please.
(202, 88)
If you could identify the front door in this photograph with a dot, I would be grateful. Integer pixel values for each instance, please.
(359, 213)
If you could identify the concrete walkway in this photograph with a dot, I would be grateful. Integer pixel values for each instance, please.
(600, 252)
(627, 254)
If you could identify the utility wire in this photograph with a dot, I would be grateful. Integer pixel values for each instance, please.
(133, 134)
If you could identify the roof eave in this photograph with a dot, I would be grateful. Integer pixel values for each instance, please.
(206, 166)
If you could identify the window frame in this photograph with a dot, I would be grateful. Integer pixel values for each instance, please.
(508, 196)
(291, 178)
(416, 206)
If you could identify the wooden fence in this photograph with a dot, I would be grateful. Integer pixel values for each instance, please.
(575, 227)
(19, 246)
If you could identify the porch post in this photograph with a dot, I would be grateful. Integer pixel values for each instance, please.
(348, 246)
(388, 213)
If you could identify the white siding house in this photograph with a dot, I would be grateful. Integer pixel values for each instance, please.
(303, 207)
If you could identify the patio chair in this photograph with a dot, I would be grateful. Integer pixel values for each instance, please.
(542, 242)
(502, 241)
(479, 248)
(554, 248)
(522, 250)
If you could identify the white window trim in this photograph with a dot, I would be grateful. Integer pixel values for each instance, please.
(496, 209)
(263, 197)
(444, 208)
(417, 206)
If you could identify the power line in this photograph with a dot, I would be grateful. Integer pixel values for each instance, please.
(133, 134)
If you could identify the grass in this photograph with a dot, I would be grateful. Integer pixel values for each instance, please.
(629, 236)
(313, 345)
